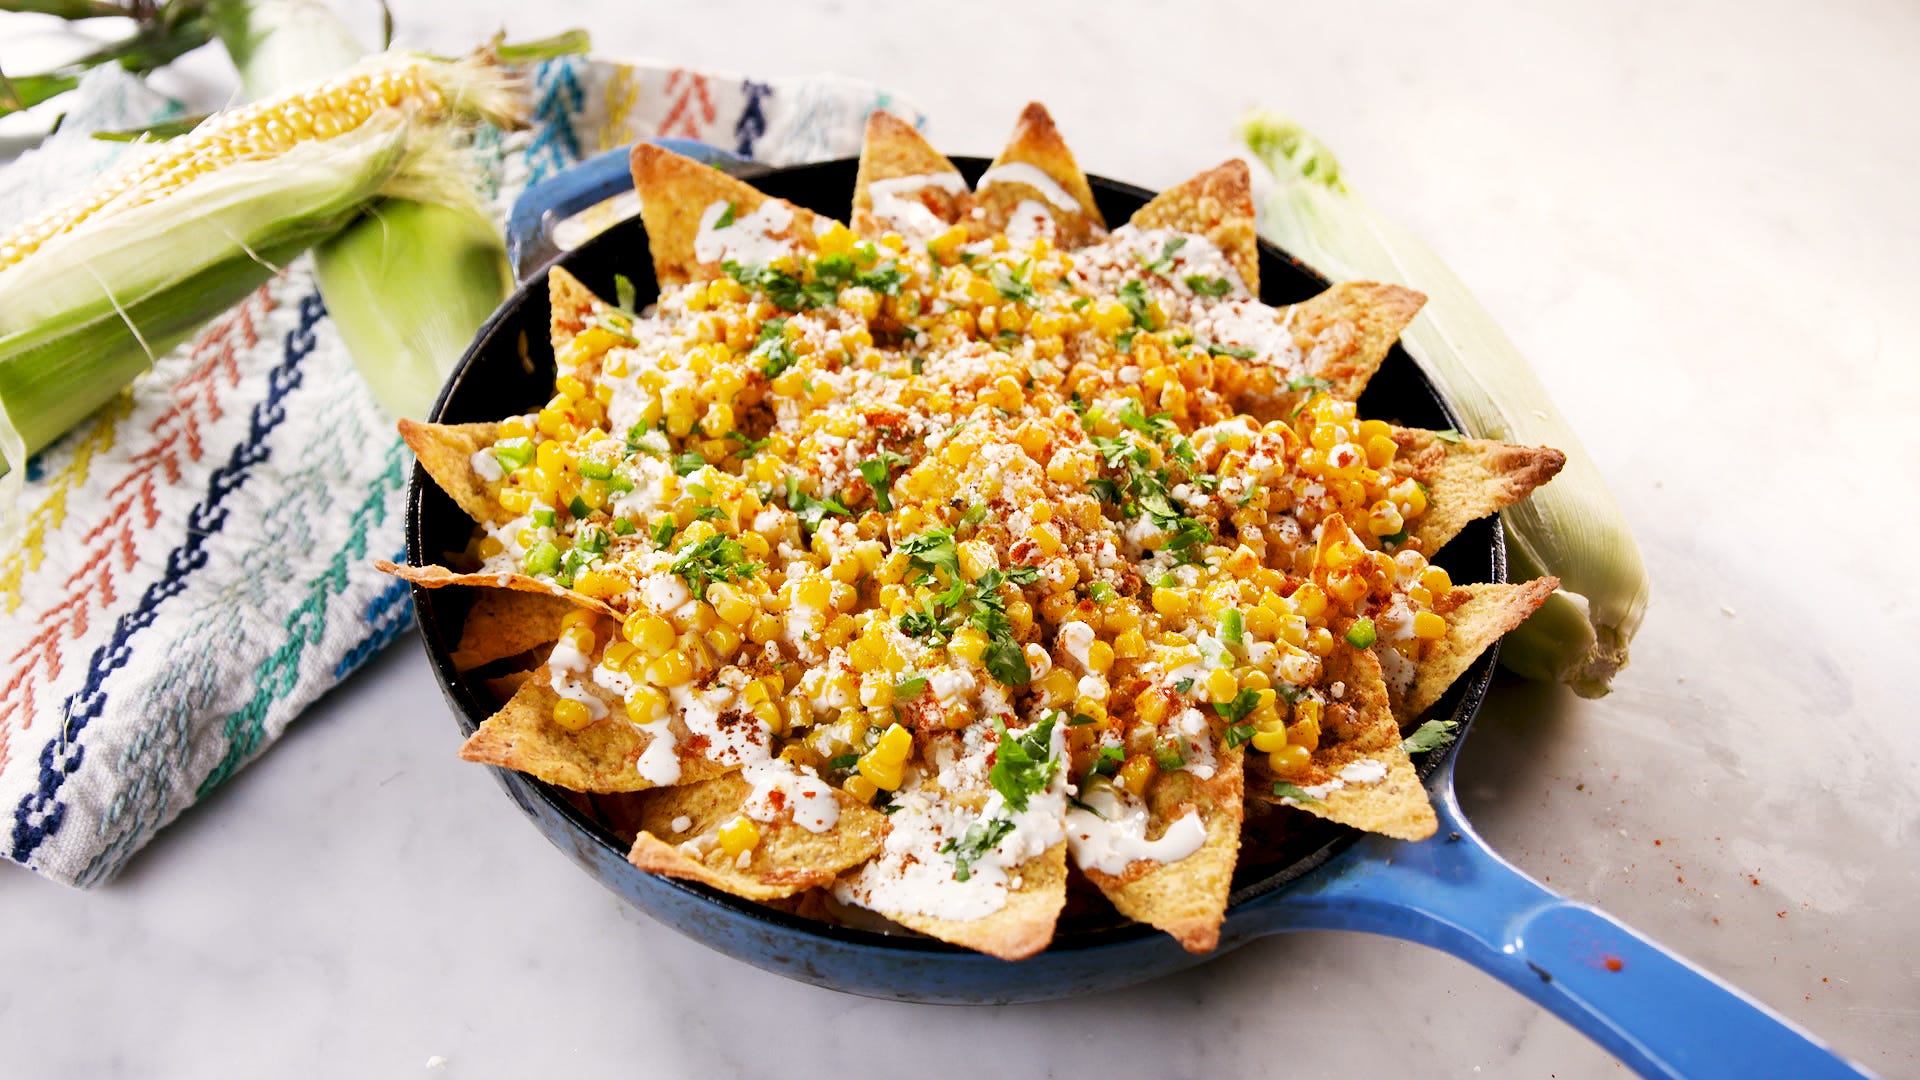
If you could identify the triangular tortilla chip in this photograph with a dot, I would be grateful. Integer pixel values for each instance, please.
(600, 757)
(574, 305)
(1359, 730)
(505, 622)
(788, 859)
(896, 157)
(1477, 616)
(503, 687)
(675, 195)
(1217, 204)
(1018, 930)
(446, 452)
(1187, 899)
(1346, 331)
(435, 577)
(1058, 184)
(1469, 479)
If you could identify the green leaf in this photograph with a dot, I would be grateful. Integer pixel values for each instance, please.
(1164, 261)
(980, 838)
(908, 689)
(1449, 436)
(663, 533)
(688, 463)
(1362, 634)
(1209, 287)
(159, 132)
(1238, 352)
(934, 549)
(725, 219)
(1023, 766)
(1431, 735)
(1015, 285)
(541, 560)
(1101, 592)
(1006, 662)
(624, 293)
(716, 558)
(1292, 791)
(1133, 297)
(844, 762)
(1312, 383)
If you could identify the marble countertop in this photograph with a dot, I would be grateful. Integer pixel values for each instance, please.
(1698, 221)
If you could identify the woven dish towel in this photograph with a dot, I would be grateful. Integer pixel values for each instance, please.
(195, 567)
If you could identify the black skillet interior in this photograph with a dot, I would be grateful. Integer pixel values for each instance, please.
(509, 370)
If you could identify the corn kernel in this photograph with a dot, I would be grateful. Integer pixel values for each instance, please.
(1136, 773)
(671, 668)
(1221, 685)
(969, 645)
(652, 634)
(1290, 761)
(646, 704)
(571, 715)
(1170, 602)
(739, 836)
(1436, 580)
(1429, 627)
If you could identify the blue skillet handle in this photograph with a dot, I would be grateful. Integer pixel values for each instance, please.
(593, 181)
(1657, 1013)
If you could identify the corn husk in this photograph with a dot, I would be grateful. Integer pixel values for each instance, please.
(1572, 528)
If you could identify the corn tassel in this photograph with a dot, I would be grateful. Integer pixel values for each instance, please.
(1571, 528)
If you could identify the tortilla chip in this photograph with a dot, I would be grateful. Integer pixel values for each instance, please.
(574, 305)
(1477, 616)
(1018, 930)
(1217, 204)
(1362, 719)
(1346, 331)
(893, 150)
(503, 623)
(1187, 899)
(675, 193)
(1469, 479)
(434, 577)
(446, 452)
(1036, 142)
(598, 758)
(503, 687)
(788, 859)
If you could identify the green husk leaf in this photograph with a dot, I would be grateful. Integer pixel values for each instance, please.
(1572, 528)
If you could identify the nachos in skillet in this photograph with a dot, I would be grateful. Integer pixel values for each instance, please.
(922, 563)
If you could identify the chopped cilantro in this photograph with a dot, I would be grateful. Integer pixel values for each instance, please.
(624, 293)
(908, 689)
(785, 290)
(1431, 735)
(1081, 303)
(878, 473)
(810, 510)
(1183, 686)
(918, 364)
(1395, 539)
(934, 549)
(884, 280)
(1239, 728)
(1238, 352)
(1022, 767)
(1133, 297)
(1106, 762)
(772, 351)
(748, 446)
(688, 463)
(980, 838)
(844, 763)
(726, 217)
(1448, 436)
(1164, 261)
(1292, 791)
(1081, 719)
(1015, 284)
(663, 532)
(716, 558)
(1211, 287)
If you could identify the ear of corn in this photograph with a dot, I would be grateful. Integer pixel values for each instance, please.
(98, 301)
(450, 266)
(1572, 528)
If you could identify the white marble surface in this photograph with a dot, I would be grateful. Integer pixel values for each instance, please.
(1700, 223)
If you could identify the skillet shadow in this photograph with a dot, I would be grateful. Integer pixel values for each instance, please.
(1519, 724)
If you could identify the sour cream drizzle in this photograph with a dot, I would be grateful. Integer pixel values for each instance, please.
(1112, 835)
(892, 204)
(1019, 172)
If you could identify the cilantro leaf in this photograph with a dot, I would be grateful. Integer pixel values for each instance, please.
(810, 510)
(1133, 297)
(1292, 791)
(1164, 261)
(1209, 287)
(1022, 767)
(1431, 735)
(1015, 285)
(688, 463)
(934, 549)
(908, 689)
(1238, 352)
(726, 217)
(980, 838)
(878, 473)
(716, 558)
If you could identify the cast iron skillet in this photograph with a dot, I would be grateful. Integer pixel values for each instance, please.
(1655, 1011)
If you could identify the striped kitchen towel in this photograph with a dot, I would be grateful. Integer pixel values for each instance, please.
(195, 564)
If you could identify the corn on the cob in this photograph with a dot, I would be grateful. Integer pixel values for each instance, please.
(1571, 528)
(430, 89)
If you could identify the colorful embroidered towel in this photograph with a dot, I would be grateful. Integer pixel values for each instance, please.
(195, 567)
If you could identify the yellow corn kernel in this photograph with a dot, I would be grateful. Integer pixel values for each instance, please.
(671, 668)
(1059, 686)
(1109, 316)
(1150, 707)
(946, 246)
(1305, 730)
(1384, 520)
(1380, 451)
(516, 500)
(969, 644)
(763, 628)
(1221, 685)
(814, 592)
(860, 788)
(652, 634)
(1045, 537)
(618, 656)
(1170, 602)
(885, 775)
(733, 608)
(645, 704)
(1320, 641)
(1136, 773)
(1268, 741)
(600, 584)
(1436, 580)
(739, 836)
(1128, 645)
(1310, 601)
(1347, 586)
(580, 637)
(718, 420)
(724, 640)
(1429, 627)
(1290, 761)
(1099, 657)
(488, 547)
(571, 715)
